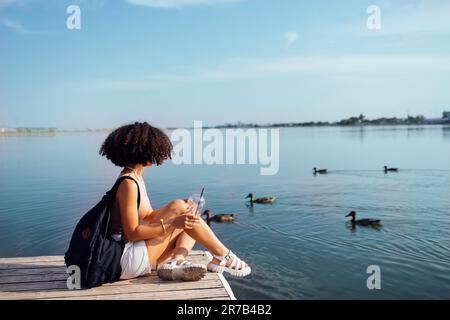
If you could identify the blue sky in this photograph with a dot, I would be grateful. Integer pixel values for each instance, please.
(175, 61)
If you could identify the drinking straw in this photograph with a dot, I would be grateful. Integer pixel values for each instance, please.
(199, 200)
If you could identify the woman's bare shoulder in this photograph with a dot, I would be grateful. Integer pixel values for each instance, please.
(127, 188)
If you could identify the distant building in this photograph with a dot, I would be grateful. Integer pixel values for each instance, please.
(446, 115)
(7, 130)
(444, 120)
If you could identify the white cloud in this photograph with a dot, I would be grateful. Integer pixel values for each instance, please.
(239, 70)
(6, 2)
(291, 37)
(15, 26)
(175, 4)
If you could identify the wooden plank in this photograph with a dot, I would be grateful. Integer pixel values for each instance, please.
(19, 260)
(196, 256)
(39, 259)
(32, 286)
(166, 295)
(124, 289)
(34, 265)
(226, 286)
(216, 298)
(47, 264)
(51, 285)
(14, 270)
(45, 278)
(27, 271)
(50, 277)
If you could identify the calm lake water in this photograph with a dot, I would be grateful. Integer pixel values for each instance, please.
(302, 246)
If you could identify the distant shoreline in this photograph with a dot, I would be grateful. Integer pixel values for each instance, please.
(49, 132)
(52, 133)
(359, 121)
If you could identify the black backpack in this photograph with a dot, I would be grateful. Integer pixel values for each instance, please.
(92, 249)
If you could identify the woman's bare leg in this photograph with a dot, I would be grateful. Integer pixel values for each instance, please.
(157, 247)
(206, 237)
(201, 233)
(179, 250)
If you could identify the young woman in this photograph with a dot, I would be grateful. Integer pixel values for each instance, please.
(158, 238)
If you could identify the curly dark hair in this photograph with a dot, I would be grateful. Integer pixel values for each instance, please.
(137, 143)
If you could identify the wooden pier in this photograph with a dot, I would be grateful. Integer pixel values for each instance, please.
(45, 278)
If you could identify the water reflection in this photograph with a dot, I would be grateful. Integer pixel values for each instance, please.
(354, 227)
(446, 132)
(251, 209)
(410, 132)
(415, 132)
(354, 132)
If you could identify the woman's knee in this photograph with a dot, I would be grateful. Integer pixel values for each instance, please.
(178, 206)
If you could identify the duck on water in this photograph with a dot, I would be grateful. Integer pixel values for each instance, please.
(225, 217)
(263, 200)
(364, 222)
(386, 169)
(319, 171)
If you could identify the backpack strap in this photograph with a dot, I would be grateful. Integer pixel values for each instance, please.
(113, 192)
(119, 181)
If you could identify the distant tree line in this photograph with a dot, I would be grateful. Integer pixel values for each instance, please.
(360, 120)
(39, 130)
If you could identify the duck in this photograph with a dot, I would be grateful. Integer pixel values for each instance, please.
(363, 222)
(320, 171)
(386, 169)
(263, 200)
(225, 217)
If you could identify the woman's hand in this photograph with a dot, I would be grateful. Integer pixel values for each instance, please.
(186, 221)
(192, 206)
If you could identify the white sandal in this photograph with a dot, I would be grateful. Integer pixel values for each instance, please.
(186, 271)
(235, 268)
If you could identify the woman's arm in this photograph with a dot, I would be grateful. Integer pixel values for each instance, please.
(133, 231)
(148, 218)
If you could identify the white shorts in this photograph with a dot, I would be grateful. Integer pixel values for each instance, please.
(134, 261)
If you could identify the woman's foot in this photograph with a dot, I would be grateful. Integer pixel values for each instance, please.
(181, 269)
(230, 264)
